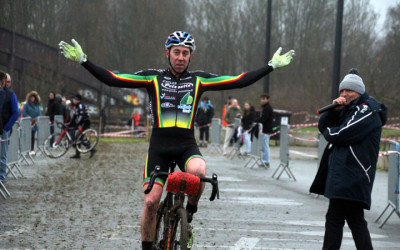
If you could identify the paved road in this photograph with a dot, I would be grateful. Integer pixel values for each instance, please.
(259, 212)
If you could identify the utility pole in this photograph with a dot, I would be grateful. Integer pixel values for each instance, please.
(268, 43)
(338, 50)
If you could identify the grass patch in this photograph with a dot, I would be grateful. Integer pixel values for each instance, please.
(121, 140)
(306, 130)
(390, 133)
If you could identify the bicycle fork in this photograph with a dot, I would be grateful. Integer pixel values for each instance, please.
(172, 219)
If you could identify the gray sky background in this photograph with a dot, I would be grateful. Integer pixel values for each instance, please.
(381, 7)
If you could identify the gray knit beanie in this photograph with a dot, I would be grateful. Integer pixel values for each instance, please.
(352, 82)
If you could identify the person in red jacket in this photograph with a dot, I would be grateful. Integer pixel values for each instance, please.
(135, 121)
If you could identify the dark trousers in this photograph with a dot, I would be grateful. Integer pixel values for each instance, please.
(204, 133)
(75, 132)
(352, 212)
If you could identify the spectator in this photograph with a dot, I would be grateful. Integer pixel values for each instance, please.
(9, 115)
(225, 108)
(232, 113)
(266, 121)
(135, 116)
(205, 113)
(80, 121)
(347, 169)
(249, 116)
(62, 106)
(32, 109)
(53, 109)
(8, 82)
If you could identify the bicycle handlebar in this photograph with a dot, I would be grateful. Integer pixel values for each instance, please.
(61, 125)
(213, 181)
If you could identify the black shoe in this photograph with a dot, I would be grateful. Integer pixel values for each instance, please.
(76, 156)
(92, 152)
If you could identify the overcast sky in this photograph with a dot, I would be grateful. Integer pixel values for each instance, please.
(381, 7)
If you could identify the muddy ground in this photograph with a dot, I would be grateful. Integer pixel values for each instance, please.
(74, 204)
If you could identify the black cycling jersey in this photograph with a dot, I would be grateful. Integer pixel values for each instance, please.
(173, 104)
(174, 101)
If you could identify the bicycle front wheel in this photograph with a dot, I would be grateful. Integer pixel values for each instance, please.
(180, 234)
(161, 228)
(56, 145)
(87, 140)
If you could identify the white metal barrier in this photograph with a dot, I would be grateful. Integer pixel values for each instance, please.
(215, 138)
(256, 148)
(25, 140)
(393, 184)
(44, 132)
(284, 150)
(13, 153)
(236, 145)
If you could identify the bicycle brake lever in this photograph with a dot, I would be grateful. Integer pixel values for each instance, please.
(215, 190)
(153, 175)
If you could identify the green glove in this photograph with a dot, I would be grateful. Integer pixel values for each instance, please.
(278, 60)
(73, 53)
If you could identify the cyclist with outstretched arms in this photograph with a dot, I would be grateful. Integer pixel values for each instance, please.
(174, 95)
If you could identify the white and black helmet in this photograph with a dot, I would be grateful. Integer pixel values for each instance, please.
(180, 38)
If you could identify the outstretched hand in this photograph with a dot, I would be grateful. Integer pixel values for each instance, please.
(279, 60)
(73, 53)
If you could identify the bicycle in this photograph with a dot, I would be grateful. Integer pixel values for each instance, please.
(172, 229)
(57, 144)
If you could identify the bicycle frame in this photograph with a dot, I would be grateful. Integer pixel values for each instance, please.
(64, 132)
(170, 206)
(171, 211)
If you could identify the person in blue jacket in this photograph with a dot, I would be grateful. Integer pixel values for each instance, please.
(9, 115)
(348, 165)
(32, 109)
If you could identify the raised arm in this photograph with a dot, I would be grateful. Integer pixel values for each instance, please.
(211, 82)
(76, 54)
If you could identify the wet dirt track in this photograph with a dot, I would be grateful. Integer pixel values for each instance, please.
(74, 204)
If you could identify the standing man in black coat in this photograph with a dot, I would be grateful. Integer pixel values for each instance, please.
(347, 170)
(204, 116)
(266, 120)
(53, 109)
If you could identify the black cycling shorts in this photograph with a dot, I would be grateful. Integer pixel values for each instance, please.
(165, 149)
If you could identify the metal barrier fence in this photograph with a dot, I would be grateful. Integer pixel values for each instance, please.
(58, 118)
(25, 139)
(215, 137)
(13, 152)
(256, 148)
(393, 184)
(44, 131)
(236, 145)
(284, 150)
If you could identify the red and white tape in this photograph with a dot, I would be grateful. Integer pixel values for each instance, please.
(125, 133)
(388, 153)
(315, 124)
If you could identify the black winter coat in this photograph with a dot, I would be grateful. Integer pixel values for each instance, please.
(348, 165)
(53, 108)
(266, 118)
(248, 119)
(204, 115)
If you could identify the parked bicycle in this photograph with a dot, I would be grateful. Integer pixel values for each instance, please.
(172, 230)
(57, 144)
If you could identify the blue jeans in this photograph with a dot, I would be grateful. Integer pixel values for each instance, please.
(4, 154)
(265, 148)
(247, 141)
